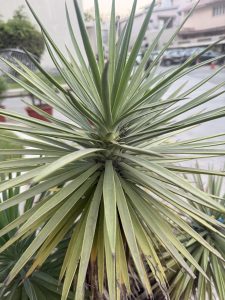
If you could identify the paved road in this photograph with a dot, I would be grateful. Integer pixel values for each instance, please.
(208, 128)
(207, 71)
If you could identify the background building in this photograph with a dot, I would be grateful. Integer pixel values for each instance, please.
(90, 26)
(205, 26)
(52, 14)
(166, 11)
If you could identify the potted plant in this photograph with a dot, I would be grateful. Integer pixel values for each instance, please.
(40, 107)
(3, 88)
(112, 186)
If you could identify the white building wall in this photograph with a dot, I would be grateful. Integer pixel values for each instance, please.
(153, 30)
(53, 16)
(90, 27)
(138, 21)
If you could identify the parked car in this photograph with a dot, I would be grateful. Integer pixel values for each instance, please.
(191, 51)
(172, 56)
(178, 56)
(210, 54)
(169, 57)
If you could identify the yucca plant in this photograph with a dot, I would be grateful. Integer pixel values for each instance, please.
(183, 286)
(117, 190)
(43, 284)
(7, 143)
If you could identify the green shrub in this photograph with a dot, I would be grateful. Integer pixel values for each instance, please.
(19, 32)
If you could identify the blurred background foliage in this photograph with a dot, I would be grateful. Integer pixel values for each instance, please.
(20, 33)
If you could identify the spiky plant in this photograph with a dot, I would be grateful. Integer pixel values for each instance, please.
(119, 191)
(41, 285)
(183, 286)
(6, 143)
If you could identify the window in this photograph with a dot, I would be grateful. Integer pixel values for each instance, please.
(219, 10)
(166, 3)
(164, 20)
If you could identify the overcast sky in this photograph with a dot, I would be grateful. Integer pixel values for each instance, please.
(122, 6)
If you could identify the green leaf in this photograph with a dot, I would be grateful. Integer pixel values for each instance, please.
(132, 58)
(99, 36)
(48, 228)
(176, 180)
(128, 228)
(110, 264)
(63, 161)
(109, 196)
(106, 97)
(88, 238)
(112, 48)
(123, 53)
(87, 47)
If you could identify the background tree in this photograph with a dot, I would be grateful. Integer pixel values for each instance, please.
(19, 32)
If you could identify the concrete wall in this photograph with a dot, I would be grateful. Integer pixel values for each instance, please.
(52, 14)
(139, 18)
(166, 35)
(92, 35)
(90, 26)
(203, 18)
